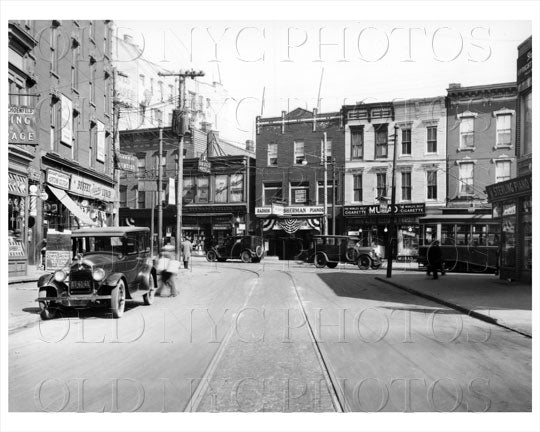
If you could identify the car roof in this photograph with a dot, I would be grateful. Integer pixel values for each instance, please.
(108, 231)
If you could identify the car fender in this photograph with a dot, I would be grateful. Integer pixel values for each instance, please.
(322, 253)
(144, 278)
(113, 279)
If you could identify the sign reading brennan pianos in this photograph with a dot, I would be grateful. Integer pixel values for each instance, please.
(291, 211)
(375, 210)
(22, 125)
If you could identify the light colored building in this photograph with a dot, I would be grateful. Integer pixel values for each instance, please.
(420, 173)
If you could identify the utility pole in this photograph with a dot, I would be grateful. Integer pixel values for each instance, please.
(333, 196)
(325, 163)
(181, 132)
(159, 193)
(391, 235)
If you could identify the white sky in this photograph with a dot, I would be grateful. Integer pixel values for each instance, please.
(370, 60)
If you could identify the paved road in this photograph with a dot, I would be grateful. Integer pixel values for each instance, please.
(236, 339)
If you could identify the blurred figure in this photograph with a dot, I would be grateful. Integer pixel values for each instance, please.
(186, 248)
(434, 257)
(166, 264)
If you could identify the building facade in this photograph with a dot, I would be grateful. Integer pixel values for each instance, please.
(417, 127)
(69, 88)
(217, 197)
(512, 199)
(290, 178)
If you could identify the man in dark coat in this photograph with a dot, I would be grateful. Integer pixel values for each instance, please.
(434, 257)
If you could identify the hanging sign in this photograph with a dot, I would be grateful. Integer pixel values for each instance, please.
(22, 125)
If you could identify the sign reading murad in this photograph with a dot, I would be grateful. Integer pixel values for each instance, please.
(22, 125)
(58, 252)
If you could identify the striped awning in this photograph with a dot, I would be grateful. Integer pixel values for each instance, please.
(72, 206)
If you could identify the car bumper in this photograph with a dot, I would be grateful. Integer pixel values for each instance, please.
(75, 300)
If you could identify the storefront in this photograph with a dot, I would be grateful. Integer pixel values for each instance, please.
(17, 226)
(372, 224)
(288, 231)
(512, 207)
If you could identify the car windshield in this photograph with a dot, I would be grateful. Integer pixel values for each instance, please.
(97, 244)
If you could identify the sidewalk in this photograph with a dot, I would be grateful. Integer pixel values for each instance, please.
(483, 296)
(33, 274)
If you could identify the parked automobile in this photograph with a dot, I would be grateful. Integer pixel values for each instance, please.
(248, 248)
(110, 266)
(330, 250)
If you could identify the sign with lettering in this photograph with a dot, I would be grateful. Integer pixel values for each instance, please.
(376, 209)
(66, 127)
(100, 151)
(126, 162)
(58, 251)
(291, 211)
(22, 125)
(81, 186)
(524, 70)
(509, 188)
(58, 179)
(204, 165)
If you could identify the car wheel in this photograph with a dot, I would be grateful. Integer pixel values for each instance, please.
(148, 298)
(331, 264)
(118, 299)
(375, 266)
(211, 256)
(351, 254)
(245, 256)
(259, 252)
(364, 262)
(320, 260)
(47, 308)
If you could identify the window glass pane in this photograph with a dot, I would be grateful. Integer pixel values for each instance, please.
(221, 189)
(527, 233)
(463, 233)
(188, 193)
(357, 143)
(202, 190)
(299, 155)
(447, 234)
(237, 188)
(479, 235)
(430, 234)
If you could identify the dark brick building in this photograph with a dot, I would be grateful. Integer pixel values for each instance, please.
(290, 172)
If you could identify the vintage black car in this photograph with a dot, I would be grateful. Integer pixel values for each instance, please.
(110, 265)
(330, 250)
(247, 248)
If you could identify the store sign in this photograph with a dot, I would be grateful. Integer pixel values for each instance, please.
(81, 186)
(100, 153)
(524, 70)
(204, 165)
(516, 186)
(278, 209)
(126, 162)
(290, 211)
(172, 192)
(58, 179)
(509, 209)
(22, 125)
(66, 127)
(213, 209)
(376, 209)
(58, 252)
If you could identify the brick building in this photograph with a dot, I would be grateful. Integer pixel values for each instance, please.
(290, 172)
(420, 169)
(512, 199)
(68, 78)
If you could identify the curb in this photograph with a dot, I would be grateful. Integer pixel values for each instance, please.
(24, 280)
(462, 309)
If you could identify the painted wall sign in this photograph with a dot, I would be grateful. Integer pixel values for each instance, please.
(22, 125)
(288, 211)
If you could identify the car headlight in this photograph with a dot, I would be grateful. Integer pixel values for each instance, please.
(60, 276)
(98, 274)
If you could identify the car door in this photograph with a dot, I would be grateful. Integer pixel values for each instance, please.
(131, 260)
(236, 248)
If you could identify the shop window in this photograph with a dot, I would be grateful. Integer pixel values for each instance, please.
(202, 190)
(463, 233)
(508, 240)
(237, 188)
(526, 125)
(493, 235)
(406, 142)
(272, 192)
(221, 188)
(357, 142)
(447, 234)
(381, 141)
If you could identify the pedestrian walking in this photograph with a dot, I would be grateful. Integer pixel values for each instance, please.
(166, 269)
(434, 257)
(186, 248)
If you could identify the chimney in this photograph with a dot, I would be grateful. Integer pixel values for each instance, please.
(250, 145)
(453, 86)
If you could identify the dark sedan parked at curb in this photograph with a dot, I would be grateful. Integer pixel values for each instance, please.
(330, 250)
(247, 248)
(110, 266)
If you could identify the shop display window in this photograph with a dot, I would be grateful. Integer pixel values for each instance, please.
(508, 234)
(526, 206)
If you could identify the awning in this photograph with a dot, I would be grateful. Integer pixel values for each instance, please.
(72, 206)
(456, 217)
